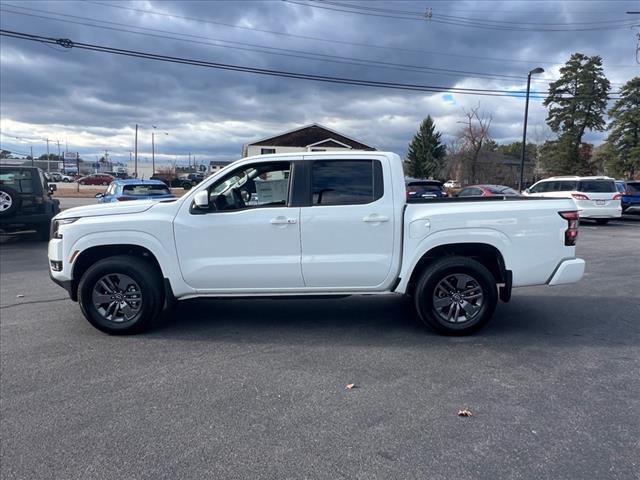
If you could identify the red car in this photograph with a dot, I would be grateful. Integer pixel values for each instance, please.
(487, 191)
(96, 179)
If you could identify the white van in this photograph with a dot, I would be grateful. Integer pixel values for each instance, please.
(596, 197)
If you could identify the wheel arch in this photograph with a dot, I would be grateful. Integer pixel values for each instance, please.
(485, 253)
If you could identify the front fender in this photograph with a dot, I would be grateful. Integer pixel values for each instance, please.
(165, 255)
(415, 249)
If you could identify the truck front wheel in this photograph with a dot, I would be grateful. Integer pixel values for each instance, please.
(456, 296)
(121, 295)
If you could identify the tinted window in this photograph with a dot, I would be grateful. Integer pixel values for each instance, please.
(470, 192)
(144, 190)
(597, 186)
(17, 179)
(500, 190)
(346, 182)
(540, 188)
(633, 188)
(566, 186)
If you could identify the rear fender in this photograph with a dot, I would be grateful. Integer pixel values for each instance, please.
(487, 236)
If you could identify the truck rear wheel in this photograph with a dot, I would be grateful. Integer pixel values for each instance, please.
(121, 295)
(456, 296)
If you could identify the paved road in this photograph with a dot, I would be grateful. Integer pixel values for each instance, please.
(256, 389)
(70, 202)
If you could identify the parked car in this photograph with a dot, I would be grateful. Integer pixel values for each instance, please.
(339, 225)
(58, 177)
(25, 200)
(174, 181)
(96, 179)
(487, 191)
(425, 189)
(126, 190)
(630, 200)
(597, 198)
(190, 180)
(452, 184)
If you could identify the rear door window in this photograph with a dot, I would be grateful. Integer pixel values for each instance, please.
(597, 186)
(346, 182)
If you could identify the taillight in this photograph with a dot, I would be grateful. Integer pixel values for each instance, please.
(579, 196)
(571, 233)
(617, 196)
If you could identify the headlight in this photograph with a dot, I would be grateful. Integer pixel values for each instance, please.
(55, 226)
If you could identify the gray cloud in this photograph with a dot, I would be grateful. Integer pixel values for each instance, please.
(95, 99)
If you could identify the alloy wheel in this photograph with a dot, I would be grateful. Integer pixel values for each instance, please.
(5, 201)
(117, 297)
(457, 298)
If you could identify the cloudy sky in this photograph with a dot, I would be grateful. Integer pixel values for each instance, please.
(93, 100)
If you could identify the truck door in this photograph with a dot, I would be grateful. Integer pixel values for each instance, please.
(248, 238)
(347, 231)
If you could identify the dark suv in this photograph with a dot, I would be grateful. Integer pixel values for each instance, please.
(25, 200)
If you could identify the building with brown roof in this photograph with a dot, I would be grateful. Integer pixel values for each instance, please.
(310, 138)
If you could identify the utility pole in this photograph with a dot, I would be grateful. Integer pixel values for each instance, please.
(59, 155)
(135, 164)
(32, 161)
(77, 171)
(48, 166)
(106, 158)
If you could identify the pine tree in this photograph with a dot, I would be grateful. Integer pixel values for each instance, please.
(577, 102)
(624, 139)
(426, 151)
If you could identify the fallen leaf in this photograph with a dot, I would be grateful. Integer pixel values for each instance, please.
(351, 386)
(464, 413)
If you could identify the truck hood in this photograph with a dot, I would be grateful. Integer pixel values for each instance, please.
(101, 209)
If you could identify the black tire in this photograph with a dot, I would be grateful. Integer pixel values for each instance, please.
(148, 280)
(186, 185)
(65, 180)
(602, 221)
(11, 197)
(444, 270)
(43, 231)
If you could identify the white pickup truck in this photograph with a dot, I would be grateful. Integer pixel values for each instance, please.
(316, 223)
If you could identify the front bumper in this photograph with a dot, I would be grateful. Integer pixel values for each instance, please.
(568, 271)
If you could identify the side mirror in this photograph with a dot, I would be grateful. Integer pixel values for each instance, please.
(99, 195)
(53, 188)
(201, 199)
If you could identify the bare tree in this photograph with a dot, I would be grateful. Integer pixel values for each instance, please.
(473, 136)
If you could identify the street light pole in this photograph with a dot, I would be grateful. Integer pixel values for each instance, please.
(524, 129)
(153, 154)
(135, 164)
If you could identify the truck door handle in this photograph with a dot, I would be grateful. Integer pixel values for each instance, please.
(283, 221)
(375, 218)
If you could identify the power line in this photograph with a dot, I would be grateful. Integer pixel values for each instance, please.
(422, 15)
(265, 49)
(261, 71)
(465, 23)
(326, 40)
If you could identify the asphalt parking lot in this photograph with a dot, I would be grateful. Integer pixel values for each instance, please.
(256, 389)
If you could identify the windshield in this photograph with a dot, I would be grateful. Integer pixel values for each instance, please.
(146, 190)
(597, 186)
